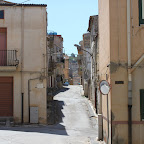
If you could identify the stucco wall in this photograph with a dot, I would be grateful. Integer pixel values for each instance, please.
(104, 60)
(26, 33)
(118, 68)
(138, 125)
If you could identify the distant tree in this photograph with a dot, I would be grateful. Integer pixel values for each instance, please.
(72, 55)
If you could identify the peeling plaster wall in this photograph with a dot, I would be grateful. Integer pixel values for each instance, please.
(93, 28)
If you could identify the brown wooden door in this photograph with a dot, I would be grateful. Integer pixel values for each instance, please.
(6, 96)
(3, 46)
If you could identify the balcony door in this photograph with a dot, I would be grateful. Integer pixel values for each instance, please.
(3, 46)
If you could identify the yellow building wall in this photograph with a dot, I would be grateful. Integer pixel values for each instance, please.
(30, 43)
(118, 70)
(104, 61)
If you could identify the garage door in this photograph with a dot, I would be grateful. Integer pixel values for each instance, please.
(6, 96)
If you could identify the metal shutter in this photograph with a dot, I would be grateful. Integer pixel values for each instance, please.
(6, 96)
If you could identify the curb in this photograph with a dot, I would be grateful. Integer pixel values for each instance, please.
(94, 118)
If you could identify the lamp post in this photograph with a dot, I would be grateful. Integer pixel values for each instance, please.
(80, 48)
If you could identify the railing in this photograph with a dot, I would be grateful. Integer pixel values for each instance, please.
(52, 66)
(8, 58)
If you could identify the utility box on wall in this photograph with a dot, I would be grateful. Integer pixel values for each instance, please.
(34, 115)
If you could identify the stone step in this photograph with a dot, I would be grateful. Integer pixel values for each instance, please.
(6, 121)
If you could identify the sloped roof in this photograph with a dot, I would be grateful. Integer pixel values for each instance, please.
(7, 3)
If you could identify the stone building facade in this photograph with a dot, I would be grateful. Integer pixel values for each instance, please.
(93, 29)
(55, 61)
(66, 68)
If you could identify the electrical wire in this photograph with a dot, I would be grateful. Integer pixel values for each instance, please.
(16, 4)
(25, 1)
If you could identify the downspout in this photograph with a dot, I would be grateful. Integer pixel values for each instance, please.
(22, 63)
(129, 72)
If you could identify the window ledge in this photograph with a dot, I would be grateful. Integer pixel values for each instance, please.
(7, 68)
(141, 25)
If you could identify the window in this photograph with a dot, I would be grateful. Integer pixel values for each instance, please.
(141, 12)
(1, 14)
(142, 104)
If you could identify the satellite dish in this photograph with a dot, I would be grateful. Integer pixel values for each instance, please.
(104, 87)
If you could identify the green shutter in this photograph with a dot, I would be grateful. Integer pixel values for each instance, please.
(142, 103)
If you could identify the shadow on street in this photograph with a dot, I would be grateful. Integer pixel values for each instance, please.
(63, 89)
(56, 129)
(54, 118)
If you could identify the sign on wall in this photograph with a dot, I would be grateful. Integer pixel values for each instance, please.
(40, 86)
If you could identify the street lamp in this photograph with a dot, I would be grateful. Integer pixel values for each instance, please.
(80, 48)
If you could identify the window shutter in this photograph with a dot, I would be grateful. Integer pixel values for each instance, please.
(1, 14)
(142, 103)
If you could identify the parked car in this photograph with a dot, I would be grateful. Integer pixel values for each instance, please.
(66, 84)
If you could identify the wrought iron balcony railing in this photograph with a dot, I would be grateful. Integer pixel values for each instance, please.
(8, 58)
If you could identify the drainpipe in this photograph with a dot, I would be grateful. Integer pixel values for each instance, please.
(22, 63)
(129, 72)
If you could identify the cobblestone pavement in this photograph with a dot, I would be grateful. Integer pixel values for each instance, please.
(77, 123)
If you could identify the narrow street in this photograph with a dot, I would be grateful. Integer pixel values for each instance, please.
(77, 123)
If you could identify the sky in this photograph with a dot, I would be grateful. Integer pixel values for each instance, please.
(68, 18)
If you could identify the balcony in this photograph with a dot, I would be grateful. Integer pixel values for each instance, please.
(60, 60)
(8, 60)
(52, 66)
